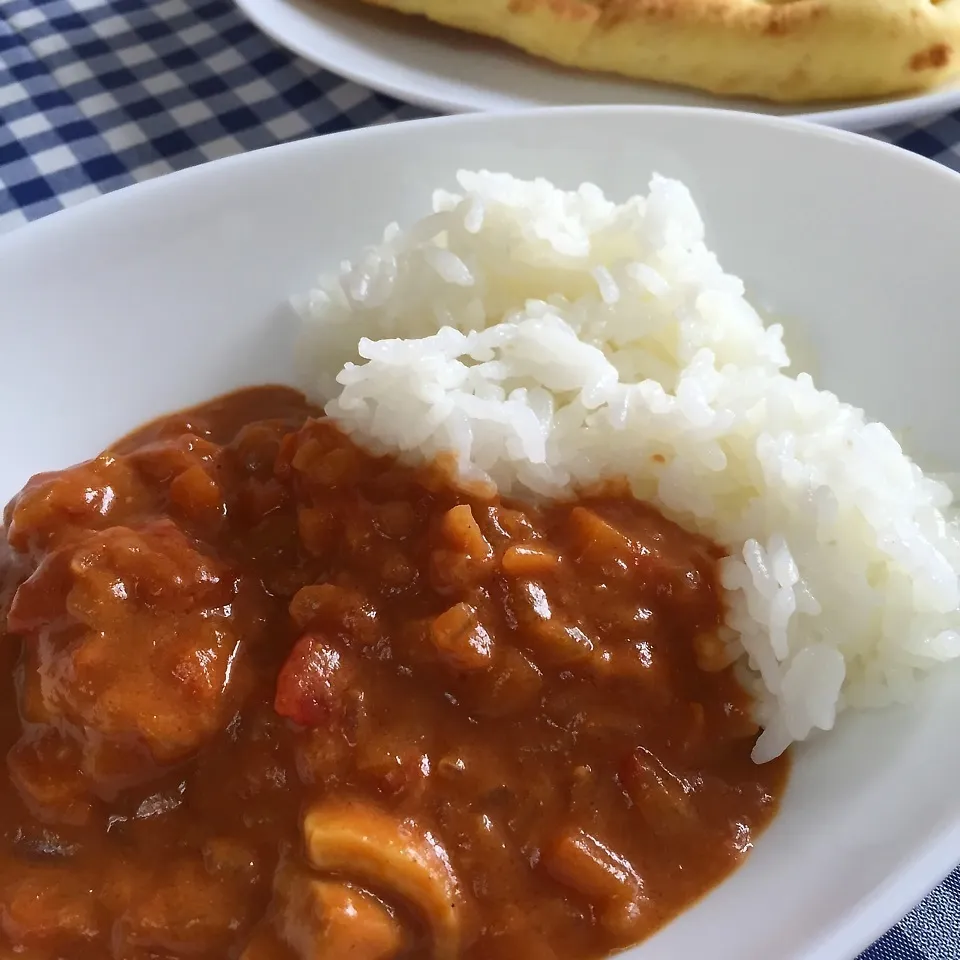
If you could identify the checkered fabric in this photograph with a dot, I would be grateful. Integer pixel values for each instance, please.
(95, 95)
(98, 94)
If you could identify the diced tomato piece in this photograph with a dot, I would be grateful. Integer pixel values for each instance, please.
(312, 683)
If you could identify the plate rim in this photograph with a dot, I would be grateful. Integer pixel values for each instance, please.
(853, 117)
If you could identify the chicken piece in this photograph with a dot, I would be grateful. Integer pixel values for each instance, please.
(331, 920)
(182, 910)
(394, 856)
(50, 906)
(136, 648)
(53, 507)
(45, 769)
(14, 569)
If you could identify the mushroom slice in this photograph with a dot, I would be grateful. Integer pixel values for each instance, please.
(329, 919)
(392, 856)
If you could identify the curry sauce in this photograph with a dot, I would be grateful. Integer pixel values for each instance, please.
(268, 696)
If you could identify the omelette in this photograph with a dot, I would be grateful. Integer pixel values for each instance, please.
(782, 50)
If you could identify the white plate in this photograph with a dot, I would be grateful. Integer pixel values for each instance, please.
(184, 293)
(449, 71)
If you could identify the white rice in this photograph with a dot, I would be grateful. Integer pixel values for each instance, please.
(551, 339)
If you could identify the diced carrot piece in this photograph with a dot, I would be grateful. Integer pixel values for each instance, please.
(318, 528)
(529, 560)
(597, 538)
(585, 864)
(460, 638)
(462, 533)
(197, 494)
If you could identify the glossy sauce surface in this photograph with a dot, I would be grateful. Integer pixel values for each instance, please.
(268, 696)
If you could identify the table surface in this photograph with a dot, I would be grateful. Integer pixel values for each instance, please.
(99, 94)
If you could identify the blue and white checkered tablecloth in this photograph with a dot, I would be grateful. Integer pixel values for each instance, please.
(98, 94)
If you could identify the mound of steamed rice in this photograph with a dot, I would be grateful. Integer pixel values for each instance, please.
(551, 339)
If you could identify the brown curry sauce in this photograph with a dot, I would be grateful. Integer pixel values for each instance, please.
(270, 697)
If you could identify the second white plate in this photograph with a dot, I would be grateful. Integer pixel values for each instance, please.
(454, 72)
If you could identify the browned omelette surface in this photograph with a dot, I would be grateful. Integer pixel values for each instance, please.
(784, 50)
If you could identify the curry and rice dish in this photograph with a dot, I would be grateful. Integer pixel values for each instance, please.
(279, 698)
(490, 645)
